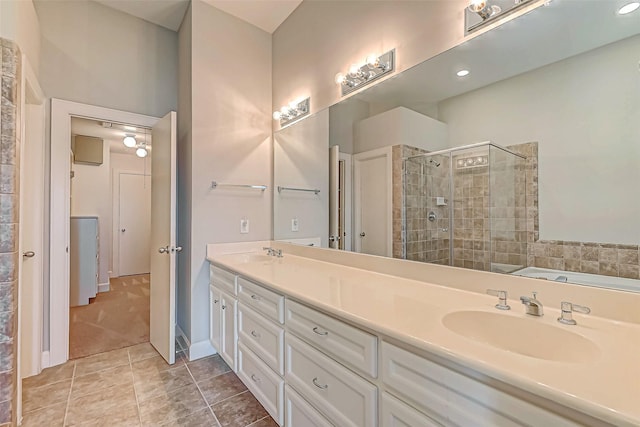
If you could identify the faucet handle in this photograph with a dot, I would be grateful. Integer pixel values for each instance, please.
(567, 309)
(502, 296)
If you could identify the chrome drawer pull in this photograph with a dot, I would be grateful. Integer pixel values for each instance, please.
(254, 378)
(319, 332)
(215, 301)
(320, 386)
(255, 297)
(224, 306)
(255, 334)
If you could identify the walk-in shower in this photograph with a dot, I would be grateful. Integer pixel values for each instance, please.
(466, 207)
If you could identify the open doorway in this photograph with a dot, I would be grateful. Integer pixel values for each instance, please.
(110, 216)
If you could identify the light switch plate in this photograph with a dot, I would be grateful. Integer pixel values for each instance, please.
(244, 226)
(294, 224)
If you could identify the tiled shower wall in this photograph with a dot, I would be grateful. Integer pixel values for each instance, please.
(9, 185)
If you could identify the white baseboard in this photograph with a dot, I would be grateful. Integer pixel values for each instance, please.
(201, 349)
(44, 361)
(104, 287)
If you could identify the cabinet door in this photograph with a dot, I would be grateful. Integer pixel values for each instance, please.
(229, 336)
(215, 319)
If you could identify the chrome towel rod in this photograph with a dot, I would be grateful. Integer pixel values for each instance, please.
(308, 190)
(215, 184)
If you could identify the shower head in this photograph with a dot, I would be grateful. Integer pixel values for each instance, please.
(433, 162)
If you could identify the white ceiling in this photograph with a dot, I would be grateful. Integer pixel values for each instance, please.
(264, 14)
(112, 135)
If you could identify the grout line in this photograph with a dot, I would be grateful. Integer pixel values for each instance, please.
(66, 410)
(202, 394)
(257, 421)
(231, 397)
(133, 382)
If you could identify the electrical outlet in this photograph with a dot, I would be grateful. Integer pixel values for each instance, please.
(294, 224)
(244, 226)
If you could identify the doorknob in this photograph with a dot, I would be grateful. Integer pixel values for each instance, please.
(178, 249)
(164, 250)
(123, 230)
(362, 234)
(29, 254)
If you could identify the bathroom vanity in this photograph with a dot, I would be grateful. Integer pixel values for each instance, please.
(324, 337)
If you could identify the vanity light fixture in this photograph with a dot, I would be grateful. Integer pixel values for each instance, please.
(129, 141)
(295, 110)
(141, 150)
(462, 73)
(472, 162)
(628, 8)
(373, 68)
(480, 12)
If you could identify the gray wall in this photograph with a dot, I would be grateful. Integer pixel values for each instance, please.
(96, 55)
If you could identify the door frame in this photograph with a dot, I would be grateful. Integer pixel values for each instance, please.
(385, 152)
(348, 201)
(62, 112)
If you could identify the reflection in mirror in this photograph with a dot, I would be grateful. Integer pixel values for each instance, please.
(550, 197)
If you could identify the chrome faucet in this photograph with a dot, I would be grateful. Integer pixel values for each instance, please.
(567, 310)
(502, 299)
(534, 307)
(273, 252)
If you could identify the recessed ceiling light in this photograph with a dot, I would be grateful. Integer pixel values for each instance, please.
(462, 73)
(628, 8)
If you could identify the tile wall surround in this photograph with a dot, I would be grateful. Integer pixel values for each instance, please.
(9, 187)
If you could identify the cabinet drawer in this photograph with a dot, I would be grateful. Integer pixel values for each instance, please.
(343, 397)
(265, 338)
(223, 280)
(398, 414)
(347, 344)
(447, 395)
(298, 412)
(265, 385)
(262, 300)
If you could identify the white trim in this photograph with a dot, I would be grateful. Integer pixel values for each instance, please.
(201, 349)
(45, 359)
(357, 158)
(104, 287)
(348, 200)
(61, 114)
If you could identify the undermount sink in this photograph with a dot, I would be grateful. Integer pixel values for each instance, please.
(527, 337)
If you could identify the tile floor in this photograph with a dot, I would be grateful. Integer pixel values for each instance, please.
(134, 386)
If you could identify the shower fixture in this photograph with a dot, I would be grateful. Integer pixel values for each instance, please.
(433, 162)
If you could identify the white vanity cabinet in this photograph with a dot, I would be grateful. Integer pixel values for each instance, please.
(223, 332)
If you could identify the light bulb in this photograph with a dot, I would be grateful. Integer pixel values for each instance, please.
(293, 105)
(277, 115)
(462, 73)
(129, 141)
(339, 78)
(477, 5)
(354, 69)
(628, 8)
(141, 152)
(284, 111)
(372, 60)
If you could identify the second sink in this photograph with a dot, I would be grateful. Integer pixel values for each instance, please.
(527, 337)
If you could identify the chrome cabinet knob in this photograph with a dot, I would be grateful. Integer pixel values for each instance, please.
(29, 254)
(164, 250)
(178, 248)
(362, 234)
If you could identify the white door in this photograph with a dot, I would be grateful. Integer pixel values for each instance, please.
(334, 197)
(215, 318)
(32, 198)
(229, 338)
(134, 226)
(373, 199)
(163, 237)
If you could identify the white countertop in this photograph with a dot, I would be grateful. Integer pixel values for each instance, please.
(411, 311)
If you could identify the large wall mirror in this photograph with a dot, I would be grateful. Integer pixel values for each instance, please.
(528, 164)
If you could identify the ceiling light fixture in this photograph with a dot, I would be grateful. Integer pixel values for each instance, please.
(295, 110)
(141, 151)
(480, 12)
(129, 141)
(373, 68)
(462, 73)
(628, 8)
